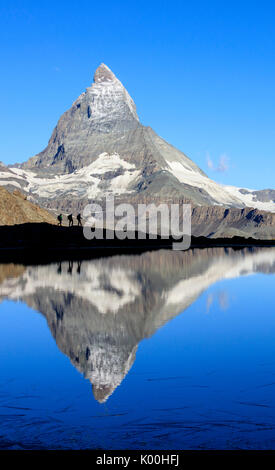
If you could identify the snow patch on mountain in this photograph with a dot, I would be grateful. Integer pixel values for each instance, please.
(108, 174)
(198, 180)
(222, 194)
(247, 196)
(10, 182)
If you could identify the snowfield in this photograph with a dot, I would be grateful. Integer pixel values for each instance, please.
(110, 174)
(88, 182)
(248, 199)
(223, 195)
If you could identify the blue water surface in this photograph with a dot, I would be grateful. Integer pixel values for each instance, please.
(203, 380)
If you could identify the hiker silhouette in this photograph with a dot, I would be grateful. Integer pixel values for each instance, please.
(59, 218)
(71, 220)
(70, 267)
(79, 267)
(79, 219)
(59, 269)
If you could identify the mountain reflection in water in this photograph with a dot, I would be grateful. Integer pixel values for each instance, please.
(98, 311)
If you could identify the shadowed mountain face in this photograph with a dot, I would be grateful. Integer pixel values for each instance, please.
(98, 311)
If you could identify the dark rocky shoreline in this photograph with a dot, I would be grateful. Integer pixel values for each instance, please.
(40, 243)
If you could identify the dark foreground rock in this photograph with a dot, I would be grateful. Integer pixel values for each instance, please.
(38, 243)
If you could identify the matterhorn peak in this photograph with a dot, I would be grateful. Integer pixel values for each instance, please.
(104, 74)
(109, 101)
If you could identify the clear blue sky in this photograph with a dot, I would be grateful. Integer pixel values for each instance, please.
(202, 75)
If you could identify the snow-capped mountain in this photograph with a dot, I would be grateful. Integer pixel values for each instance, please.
(98, 311)
(99, 147)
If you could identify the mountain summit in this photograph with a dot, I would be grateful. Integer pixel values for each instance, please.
(109, 100)
(83, 132)
(104, 74)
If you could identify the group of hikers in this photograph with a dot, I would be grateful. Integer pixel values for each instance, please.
(70, 267)
(70, 220)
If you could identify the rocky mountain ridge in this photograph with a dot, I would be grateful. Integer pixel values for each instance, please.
(100, 148)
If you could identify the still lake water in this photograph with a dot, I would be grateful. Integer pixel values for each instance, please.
(164, 350)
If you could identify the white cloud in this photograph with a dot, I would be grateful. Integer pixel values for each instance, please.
(210, 163)
(221, 167)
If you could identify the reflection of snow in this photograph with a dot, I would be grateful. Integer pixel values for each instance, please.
(225, 267)
(109, 289)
